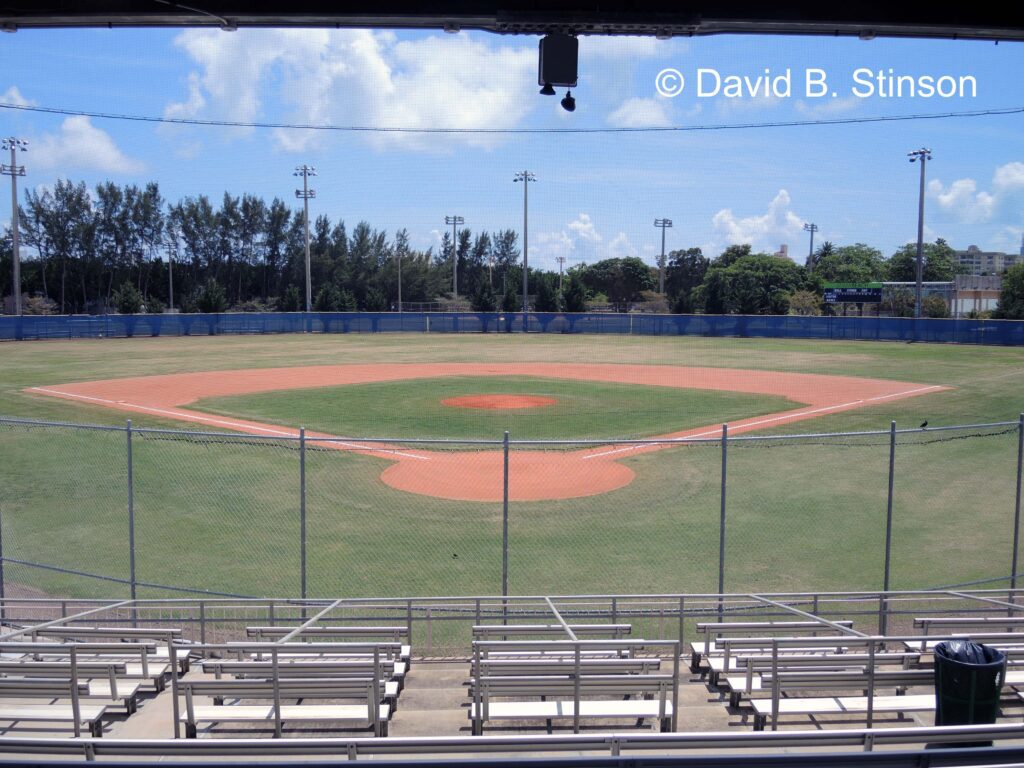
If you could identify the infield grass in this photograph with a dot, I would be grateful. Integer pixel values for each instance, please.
(582, 410)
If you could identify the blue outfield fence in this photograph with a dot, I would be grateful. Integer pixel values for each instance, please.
(994, 332)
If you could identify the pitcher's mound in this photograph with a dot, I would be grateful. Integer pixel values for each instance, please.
(499, 402)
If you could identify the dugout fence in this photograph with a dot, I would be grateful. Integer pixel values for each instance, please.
(87, 509)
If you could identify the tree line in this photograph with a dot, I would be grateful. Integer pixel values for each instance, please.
(126, 248)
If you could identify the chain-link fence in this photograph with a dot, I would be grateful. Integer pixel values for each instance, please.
(88, 511)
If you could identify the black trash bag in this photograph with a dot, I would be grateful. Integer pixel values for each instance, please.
(968, 681)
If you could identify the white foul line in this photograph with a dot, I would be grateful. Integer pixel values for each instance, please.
(786, 416)
(192, 416)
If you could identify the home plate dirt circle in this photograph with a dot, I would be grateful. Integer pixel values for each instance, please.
(477, 475)
(498, 402)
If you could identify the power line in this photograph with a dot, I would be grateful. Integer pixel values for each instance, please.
(385, 129)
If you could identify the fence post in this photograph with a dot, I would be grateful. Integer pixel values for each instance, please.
(131, 510)
(3, 595)
(883, 619)
(302, 511)
(721, 520)
(504, 522)
(1016, 511)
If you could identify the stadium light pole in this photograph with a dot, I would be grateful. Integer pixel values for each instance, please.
(14, 171)
(304, 194)
(924, 155)
(561, 267)
(455, 221)
(812, 228)
(663, 224)
(526, 177)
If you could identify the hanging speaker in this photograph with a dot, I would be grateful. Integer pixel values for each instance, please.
(558, 60)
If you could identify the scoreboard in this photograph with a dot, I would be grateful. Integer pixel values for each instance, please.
(853, 293)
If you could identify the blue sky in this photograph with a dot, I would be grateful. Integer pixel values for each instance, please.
(597, 194)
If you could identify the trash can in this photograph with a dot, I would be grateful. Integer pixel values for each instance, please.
(968, 681)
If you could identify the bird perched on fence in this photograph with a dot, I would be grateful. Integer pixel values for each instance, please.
(924, 424)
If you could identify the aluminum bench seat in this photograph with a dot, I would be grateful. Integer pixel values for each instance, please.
(596, 695)
(396, 670)
(828, 705)
(494, 631)
(393, 634)
(64, 700)
(589, 708)
(566, 665)
(290, 713)
(367, 710)
(719, 665)
(88, 714)
(126, 693)
(736, 629)
(745, 677)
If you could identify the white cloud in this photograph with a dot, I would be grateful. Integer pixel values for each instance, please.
(766, 231)
(583, 228)
(359, 77)
(962, 199)
(1009, 176)
(641, 113)
(620, 246)
(13, 96)
(193, 105)
(80, 145)
(549, 246)
(1008, 239)
(580, 241)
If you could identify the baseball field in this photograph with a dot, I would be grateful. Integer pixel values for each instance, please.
(399, 517)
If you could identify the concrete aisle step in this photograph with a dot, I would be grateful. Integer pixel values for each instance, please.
(433, 702)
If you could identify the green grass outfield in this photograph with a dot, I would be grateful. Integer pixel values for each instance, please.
(224, 515)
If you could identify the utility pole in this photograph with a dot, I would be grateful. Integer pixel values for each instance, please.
(14, 171)
(662, 224)
(455, 221)
(812, 228)
(526, 177)
(924, 155)
(490, 270)
(561, 265)
(304, 194)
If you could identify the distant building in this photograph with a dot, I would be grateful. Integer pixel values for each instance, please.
(782, 253)
(979, 262)
(975, 293)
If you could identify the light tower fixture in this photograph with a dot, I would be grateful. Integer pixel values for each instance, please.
(662, 224)
(924, 155)
(812, 228)
(526, 177)
(14, 171)
(455, 222)
(306, 194)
